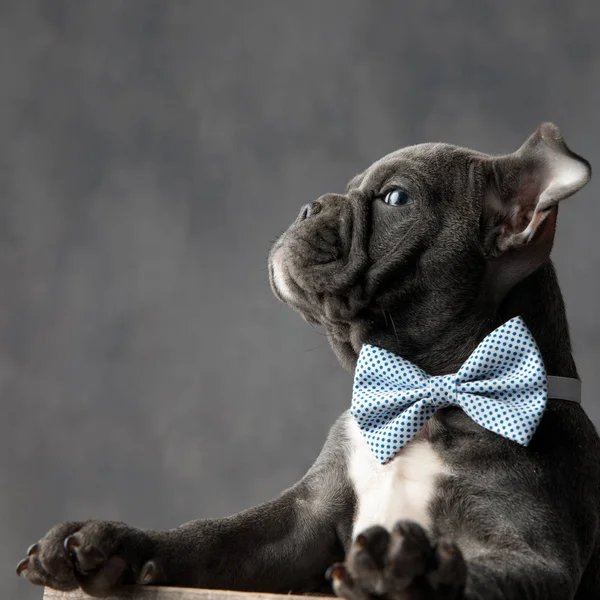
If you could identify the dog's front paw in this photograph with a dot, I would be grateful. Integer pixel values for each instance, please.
(401, 565)
(95, 556)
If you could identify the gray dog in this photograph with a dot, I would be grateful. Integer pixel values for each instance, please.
(429, 250)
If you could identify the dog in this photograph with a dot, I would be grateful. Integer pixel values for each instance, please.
(428, 251)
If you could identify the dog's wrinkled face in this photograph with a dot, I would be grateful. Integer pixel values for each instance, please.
(427, 237)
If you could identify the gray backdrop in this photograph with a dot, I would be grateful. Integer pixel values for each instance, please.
(151, 151)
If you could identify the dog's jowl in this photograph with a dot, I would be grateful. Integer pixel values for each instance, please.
(466, 466)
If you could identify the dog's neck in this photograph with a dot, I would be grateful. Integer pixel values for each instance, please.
(537, 299)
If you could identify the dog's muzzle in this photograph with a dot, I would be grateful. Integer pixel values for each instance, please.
(281, 281)
(314, 240)
(320, 259)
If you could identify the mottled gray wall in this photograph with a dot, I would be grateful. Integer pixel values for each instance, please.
(150, 153)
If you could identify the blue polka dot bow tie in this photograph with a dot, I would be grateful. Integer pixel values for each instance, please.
(502, 386)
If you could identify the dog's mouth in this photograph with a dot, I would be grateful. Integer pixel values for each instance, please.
(320, 256)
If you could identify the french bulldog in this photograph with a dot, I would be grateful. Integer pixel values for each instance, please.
(428, 251)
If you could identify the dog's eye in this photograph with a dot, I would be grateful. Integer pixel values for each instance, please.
(397, 197)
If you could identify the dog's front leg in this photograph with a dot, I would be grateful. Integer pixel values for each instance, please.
(283, 545)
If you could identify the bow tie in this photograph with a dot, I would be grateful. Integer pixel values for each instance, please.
(502, 386)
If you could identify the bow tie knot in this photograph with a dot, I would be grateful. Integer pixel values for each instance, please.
(441, 390)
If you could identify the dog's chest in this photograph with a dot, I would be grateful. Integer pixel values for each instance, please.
(400, 489)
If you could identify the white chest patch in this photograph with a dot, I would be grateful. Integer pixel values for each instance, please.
(400, 489)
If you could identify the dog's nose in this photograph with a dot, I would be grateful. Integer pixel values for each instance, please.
(310, 209)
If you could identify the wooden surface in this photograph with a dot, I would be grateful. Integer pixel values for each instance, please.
(172, 593)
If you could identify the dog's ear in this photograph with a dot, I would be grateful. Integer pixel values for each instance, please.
(521, 199)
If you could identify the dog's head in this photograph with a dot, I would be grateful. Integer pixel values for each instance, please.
(427, 239)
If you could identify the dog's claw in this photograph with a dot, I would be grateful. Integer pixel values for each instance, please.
(86, 557)
(336, 571)
(22, 566)
(33, 549)
(148, 573)
(340, 578)
(71, 542)
(343, 584)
